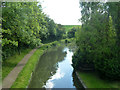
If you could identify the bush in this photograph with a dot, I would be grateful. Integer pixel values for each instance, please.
(97, 48)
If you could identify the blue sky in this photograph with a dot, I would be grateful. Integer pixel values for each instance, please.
(65, 12)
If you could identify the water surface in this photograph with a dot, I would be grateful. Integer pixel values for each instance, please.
(54, 70)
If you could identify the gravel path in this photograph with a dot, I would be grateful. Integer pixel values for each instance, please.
(9, 80)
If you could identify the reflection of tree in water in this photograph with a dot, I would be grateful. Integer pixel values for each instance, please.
(76, 81)
(72, 47)
(46, 67)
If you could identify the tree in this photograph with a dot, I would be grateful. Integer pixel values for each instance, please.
(24, 25)
(71, 33)
(96, 41)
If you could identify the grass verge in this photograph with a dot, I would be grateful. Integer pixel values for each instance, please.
(92, 80)
(11, 62)
(24, 76)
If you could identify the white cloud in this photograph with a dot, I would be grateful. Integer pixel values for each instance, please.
(66, 12)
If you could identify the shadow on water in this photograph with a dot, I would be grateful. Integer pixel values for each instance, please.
(54, 70)
(76, 81)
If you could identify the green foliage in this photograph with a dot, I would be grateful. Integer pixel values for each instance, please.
(97, 41)
(69, 27)
(114, 11)
(71, 33)
(55, 31)
(24, 25)
(70, 30)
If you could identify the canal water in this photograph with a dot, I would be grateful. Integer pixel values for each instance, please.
(54, 70)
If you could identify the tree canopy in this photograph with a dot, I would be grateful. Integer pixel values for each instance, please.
(98, 39)
(24, 25)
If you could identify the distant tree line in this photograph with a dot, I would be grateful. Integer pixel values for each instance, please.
(71, 32)
(98, 40)
(24, 25)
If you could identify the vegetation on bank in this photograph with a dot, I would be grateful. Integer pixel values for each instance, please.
(24, 76)
(11, 62)
(70, 30)
(98, 40)
(24, 25)
(92, 80)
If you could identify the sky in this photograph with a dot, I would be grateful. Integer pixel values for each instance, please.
(65, 12)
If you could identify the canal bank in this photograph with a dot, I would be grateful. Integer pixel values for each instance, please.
(92, 80)
(24, 76)
(80, 80)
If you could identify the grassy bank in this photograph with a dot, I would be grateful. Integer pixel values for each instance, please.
(11, 62)
(24, 76)
(92, 80)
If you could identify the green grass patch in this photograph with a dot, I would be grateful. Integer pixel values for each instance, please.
(12, 61)
(69, 27)
(24, 76)
(92, 80)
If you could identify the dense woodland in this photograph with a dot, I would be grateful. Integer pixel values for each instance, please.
(98, 40)
(24, 25)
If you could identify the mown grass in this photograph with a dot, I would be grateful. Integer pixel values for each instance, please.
(24, 76)
(92, 80)
(12, 61)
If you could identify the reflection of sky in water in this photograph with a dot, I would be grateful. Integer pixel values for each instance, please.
(69, 55)
(63, 76)
(58, 75)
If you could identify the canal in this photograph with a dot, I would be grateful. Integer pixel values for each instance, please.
(54, 70)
